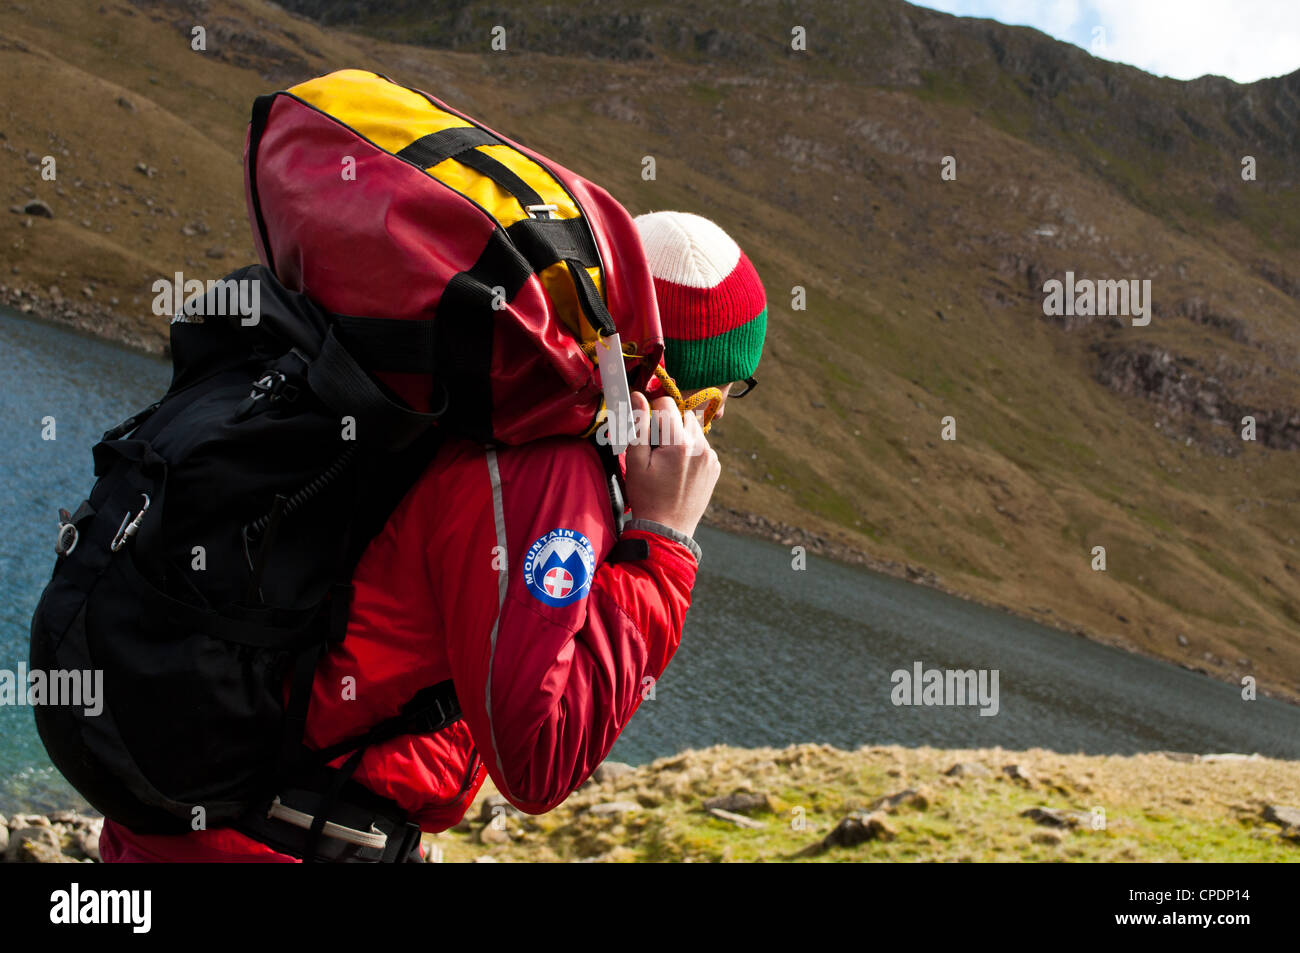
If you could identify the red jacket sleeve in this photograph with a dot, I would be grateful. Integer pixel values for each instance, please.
(550, 645)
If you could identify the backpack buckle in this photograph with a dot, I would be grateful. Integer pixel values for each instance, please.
(550, 210)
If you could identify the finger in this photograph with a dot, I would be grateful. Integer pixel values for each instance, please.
(668, 422)
(693, 435)
(638, 451)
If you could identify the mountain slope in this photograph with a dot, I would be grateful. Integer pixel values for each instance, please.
(923, 296)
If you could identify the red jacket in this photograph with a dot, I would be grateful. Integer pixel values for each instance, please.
(490, 572)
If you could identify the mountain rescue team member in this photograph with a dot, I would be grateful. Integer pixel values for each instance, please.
(492, 571)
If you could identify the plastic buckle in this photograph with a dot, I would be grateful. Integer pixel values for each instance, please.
(550, 210)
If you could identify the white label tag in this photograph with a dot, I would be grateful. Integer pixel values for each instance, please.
(618, 397)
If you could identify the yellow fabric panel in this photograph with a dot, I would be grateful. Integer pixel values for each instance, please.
(543, 182)
(390, 116)
(499, 203)
(559, 288)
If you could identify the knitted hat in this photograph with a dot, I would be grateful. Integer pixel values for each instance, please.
(711, 301)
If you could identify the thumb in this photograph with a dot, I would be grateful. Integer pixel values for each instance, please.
(638, 450)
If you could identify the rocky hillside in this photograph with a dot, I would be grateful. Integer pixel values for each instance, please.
(819, 804)
(924, 294)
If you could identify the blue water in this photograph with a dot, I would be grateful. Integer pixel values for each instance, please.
(87, 386)
(770, 656)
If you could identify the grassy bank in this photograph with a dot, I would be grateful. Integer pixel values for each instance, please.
(792, 804)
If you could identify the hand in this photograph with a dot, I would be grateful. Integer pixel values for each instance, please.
(671, 483)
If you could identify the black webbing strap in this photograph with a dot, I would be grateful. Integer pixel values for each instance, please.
(544, 241)
(388, 344)
(256, 126)
(465, 327)
(437, 147)
(593, 305)
(339, 380)
(484, 164)
(429, 711)
(295, 715)
(326, 806)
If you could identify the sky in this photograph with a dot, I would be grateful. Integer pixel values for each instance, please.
(1244, 40)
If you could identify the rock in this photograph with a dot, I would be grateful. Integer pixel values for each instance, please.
(612, 808)
(968, 769)
(740, 820)
(147, 171)
(491, 834)
(463, 826)
(494, 805)
(857, 828)
(35, 845)
(126, 104)
(1016, 773)
(611, 771)
(1057, 817)
(1281, 814)
(1046, 837)
(743, 802)
(486, 860)
(216, 252)
(1182, 639)
(38, 208)
(88, 841)
(4, 840)
(918, 798)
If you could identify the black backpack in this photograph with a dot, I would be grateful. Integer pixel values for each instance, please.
(212, 562)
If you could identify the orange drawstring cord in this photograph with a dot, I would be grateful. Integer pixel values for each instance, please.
(712, 396)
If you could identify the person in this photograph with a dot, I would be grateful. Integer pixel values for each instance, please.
(494, 571)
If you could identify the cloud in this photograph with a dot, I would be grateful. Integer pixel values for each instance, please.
(1244, 40)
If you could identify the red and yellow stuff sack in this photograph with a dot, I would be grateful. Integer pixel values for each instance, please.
(464, 270)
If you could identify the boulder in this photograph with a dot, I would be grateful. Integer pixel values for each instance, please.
(611, 771)
(88, 842)
(1017, 773)
(613, 808)
(1057, 817)
(1281, 814)
(858, 828)
(38, 208)
(742, 802)
(919, 798)
(495, 804)
(968, 769)
(36, 845)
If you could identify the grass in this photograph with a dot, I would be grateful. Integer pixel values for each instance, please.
(1147, 808)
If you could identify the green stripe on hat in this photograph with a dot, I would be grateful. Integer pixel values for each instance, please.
(713, 362)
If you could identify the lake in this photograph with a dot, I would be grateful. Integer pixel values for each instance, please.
(770, 655)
